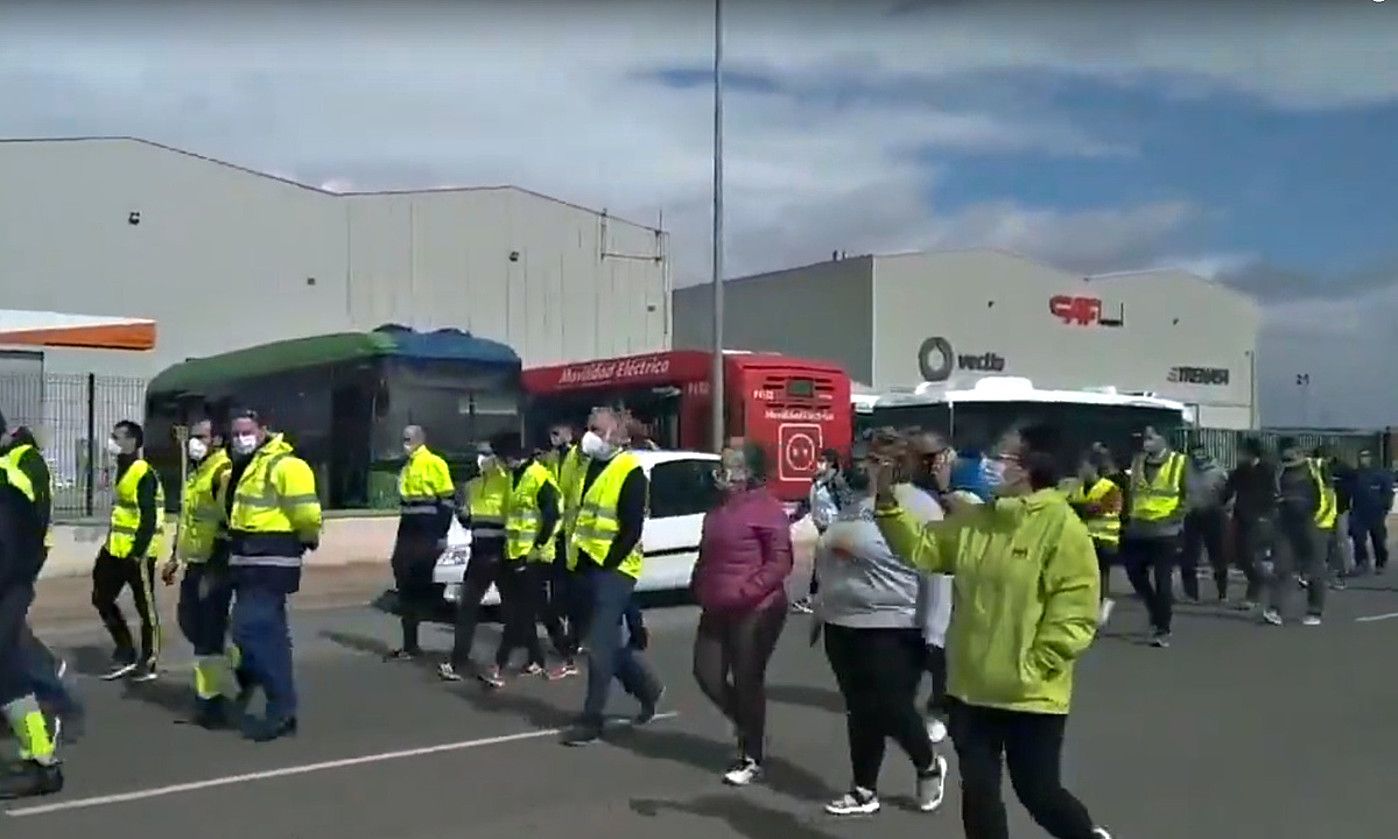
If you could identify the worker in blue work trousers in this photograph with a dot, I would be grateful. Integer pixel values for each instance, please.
(206, 591)
(274, 518)
(607, 537)
(25, 504)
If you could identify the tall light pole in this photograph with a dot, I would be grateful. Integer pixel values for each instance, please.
(1303, 381)
(716, 367)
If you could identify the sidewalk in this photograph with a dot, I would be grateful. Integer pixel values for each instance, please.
(65, 603)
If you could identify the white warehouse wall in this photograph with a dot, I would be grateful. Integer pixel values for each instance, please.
(223, 257)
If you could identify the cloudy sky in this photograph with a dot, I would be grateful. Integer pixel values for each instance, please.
(1254, 142)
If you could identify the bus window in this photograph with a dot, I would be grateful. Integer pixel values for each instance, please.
(981, 424)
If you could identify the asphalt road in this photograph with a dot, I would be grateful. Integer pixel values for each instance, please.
(1238, 731)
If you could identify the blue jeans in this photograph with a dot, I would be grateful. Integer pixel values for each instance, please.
(205, 594)
(607, 658)
(261, 631)
(42, 667)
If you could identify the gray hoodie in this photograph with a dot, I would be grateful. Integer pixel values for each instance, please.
(1204, 485)
(868, 587)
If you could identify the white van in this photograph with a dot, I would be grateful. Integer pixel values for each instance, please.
(682, 490)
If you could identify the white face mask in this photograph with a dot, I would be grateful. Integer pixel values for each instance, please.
(408, 449)
(198, 449)
(113, 447)
(596, 448)
(245, 443)
(483, 461)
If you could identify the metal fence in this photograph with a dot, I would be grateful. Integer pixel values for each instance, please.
(1224, 444)
(71, 416)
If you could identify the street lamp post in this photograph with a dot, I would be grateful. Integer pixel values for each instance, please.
(716, 368)
(1303, 381)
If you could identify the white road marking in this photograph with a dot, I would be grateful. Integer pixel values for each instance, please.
(174, 789)
(1372, 618)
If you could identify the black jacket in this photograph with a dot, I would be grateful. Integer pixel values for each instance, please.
(1253, 490)
(24, 523)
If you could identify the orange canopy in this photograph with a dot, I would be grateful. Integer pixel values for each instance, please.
(56, 329)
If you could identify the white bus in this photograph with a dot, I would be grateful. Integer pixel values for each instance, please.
(975, 416)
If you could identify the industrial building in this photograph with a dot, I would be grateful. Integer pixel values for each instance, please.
(223, 257)
(954, 316)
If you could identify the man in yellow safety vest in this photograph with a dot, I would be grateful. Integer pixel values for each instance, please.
(127, 558)
(483, 513)
(25, 505)
(427, 498)
(1306, 512)
(607, 537)
(206, 591)
(1151, 544)
(274, 518)
(1097, 500)
(567, 595)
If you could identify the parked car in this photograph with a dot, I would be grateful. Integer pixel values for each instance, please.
(682, 490)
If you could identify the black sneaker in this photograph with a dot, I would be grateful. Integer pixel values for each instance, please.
(267, 730)
(856, 802)
(145, 672)
(212, 714)
(120, 669)
(403, 655)
(1160, 640)
(30, 779)
(583, 734)
(648, 708)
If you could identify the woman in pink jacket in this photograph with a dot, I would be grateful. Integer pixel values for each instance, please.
(740, 583)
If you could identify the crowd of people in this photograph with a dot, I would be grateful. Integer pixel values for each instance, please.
(988, 572)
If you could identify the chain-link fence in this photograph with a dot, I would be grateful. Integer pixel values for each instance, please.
(71, 416)
(1224, 444)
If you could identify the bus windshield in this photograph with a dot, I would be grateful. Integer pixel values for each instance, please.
(977, 425)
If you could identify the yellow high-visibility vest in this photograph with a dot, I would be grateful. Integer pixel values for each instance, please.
(16, 477)
(1104, 527)
(596, 525)
(524, 517)
(275, 500)
(424, 484)
(1329, 508)
(203, 519)
(1157, 500)
(487, 495)
(126, 513)
(572, 472)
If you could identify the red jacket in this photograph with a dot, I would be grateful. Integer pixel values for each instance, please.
(744, 554)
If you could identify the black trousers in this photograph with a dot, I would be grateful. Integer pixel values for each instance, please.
(1252, 543)
(936, 665)
(1032, 745)
(1364, 532)
(481, 572)
(1204, 530)
(206, 593)
(878, 671)
(1106, 555)
(15, 682)
(414, 557)
(519, 606)
(731, 652)
(1150, 565)
(109, 576)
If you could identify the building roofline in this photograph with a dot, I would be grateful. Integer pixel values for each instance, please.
(321, 190)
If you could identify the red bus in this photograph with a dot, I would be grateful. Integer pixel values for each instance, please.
(794, 407)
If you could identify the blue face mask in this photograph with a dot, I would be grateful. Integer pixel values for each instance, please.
(992, 474)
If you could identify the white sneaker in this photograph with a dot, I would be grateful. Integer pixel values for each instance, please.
(447, 673)
(1100, 833)
(743, 773)
(936, 730)
(931, 788)
(1310, 620)
(1272, 616)
(1104, 614)
(856, 802)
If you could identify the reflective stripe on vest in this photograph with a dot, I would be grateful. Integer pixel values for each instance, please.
(486, 498)
(1160, 498)
(424, 484)
(522, 523)
(126, 512)
(596, 525)
(202, 516)
(1328, 508)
